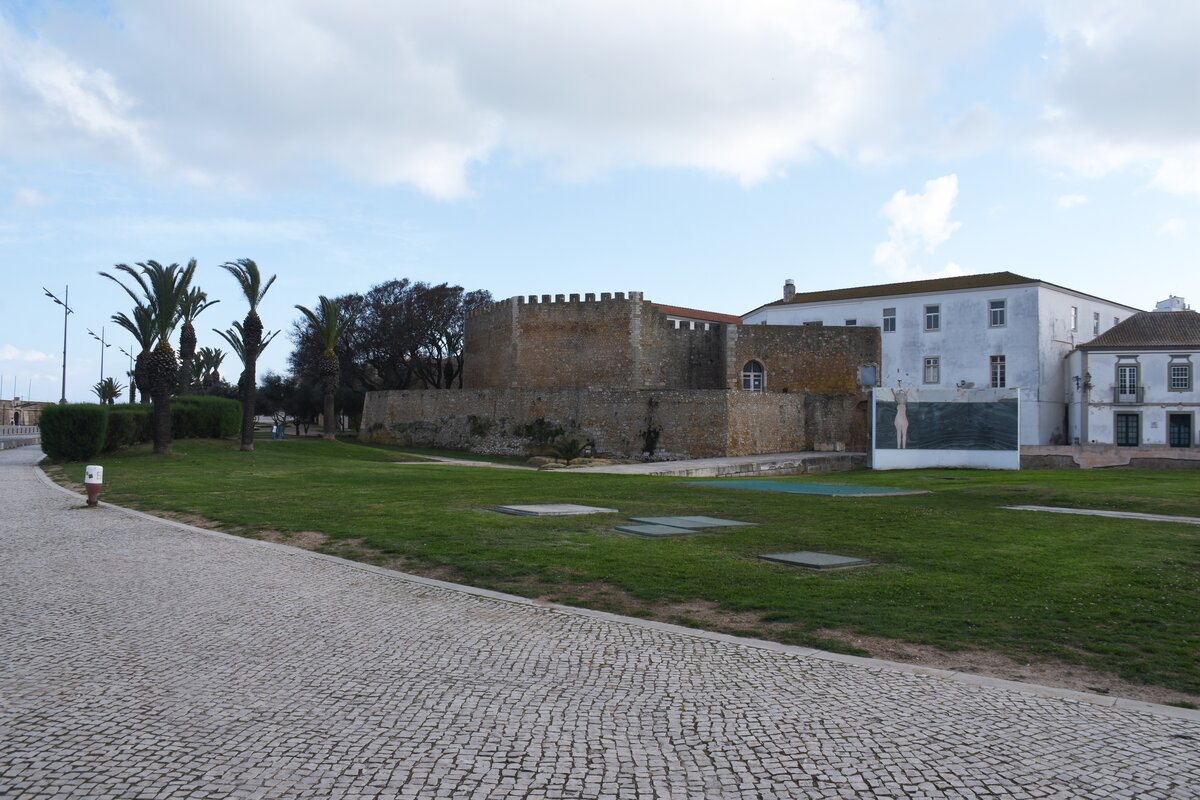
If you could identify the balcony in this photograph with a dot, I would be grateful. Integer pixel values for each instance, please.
(1128, 395)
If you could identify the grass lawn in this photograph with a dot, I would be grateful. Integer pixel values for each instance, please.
(953, 569)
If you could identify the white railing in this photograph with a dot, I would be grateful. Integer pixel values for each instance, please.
(19, 430)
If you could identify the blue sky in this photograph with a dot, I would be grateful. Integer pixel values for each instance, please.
(701, 152)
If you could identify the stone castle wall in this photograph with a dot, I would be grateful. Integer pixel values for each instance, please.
(621, 422)
(624, 342)
(614, 369)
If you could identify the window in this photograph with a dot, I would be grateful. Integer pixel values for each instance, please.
(1127, 382)
(813, 323)
(850, 323)
(933, 318)
(1095, 323)
(1074, 318)
(997, 313)
(1129, 432)
(889, 320)
(752, 376)
(999, 372)
(933, 369)
(1179, 376)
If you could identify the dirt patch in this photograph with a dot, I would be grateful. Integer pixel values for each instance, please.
(307, 540)
(996, 665)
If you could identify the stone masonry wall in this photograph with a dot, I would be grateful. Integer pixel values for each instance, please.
(682, 423)
(614, 341)
(821, 360)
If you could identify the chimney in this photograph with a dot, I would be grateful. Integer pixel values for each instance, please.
(789, 290)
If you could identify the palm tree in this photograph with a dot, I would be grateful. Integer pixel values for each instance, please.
(163, 289)
(141, 327)
(245, 271)
(193, 303)
(236, 336)
(206, 368)
(108, 390)
(328, 324)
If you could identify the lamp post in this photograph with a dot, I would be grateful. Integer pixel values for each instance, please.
(66, 311)
(132, 380)
(103, 345)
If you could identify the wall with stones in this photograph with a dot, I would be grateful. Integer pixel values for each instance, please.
(621, 422)
(805, 358)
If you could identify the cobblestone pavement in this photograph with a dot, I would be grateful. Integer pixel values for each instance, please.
(143, 660)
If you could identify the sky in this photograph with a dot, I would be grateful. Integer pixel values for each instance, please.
(701, 152)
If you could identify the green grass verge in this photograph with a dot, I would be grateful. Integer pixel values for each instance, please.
(953, 569)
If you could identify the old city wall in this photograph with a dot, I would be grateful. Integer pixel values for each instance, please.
(678, 423)
(611, 341)
(554, 342)
(816, 359)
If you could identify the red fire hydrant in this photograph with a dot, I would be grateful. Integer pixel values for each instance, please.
(93, 476)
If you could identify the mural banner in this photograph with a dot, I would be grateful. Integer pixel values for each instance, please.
(935, 427)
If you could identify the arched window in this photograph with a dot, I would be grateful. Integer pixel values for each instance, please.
(752, 377)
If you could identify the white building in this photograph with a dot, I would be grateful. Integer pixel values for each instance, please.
(1135, 385)
(997, 330)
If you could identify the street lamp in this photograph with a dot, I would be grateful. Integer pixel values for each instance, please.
(66, 310)
(103, 345)
(132, 381)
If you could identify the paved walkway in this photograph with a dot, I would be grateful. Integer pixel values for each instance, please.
(728, 466)
(141, 658)
(1093, 512)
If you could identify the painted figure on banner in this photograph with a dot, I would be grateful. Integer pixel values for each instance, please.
(901, 396)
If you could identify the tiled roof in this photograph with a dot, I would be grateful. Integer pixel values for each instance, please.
(911, 287)
(1151, 329)
(695, 313)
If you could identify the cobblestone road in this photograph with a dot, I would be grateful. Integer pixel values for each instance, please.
(144, 660)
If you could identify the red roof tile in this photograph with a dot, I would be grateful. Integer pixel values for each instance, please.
(695, 313)
(1151, 330)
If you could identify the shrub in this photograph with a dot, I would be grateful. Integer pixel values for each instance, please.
(127, 425)
(205, 417)
(73, 432)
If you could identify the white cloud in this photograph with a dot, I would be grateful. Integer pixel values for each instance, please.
(1072, 200)
(918, 222)
(1122, 90)
(1172, 227)
(10, 353)
(26, 197)
(418, 92)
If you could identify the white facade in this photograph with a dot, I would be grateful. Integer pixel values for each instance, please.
(1024, 326)
(1135, 397)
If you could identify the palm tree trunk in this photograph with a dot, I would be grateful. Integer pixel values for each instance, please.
(330, 428)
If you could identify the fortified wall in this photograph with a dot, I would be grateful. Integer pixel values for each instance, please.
(612, 341)
(619, 371)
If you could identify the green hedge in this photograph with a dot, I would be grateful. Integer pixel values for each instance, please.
(73, 432)
(79, 431)
(128, 425)
(197, 416)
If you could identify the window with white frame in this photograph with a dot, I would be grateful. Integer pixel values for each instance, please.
(997, 313)
(1074, 318)
(752, 377)
(999, 372)
(889, 320)
(850, 323)
(933, 369)
(1095, 323)
(933, 318)
(1179, 374)
(1128, 382)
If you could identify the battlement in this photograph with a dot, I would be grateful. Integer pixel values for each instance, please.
(613, 299)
